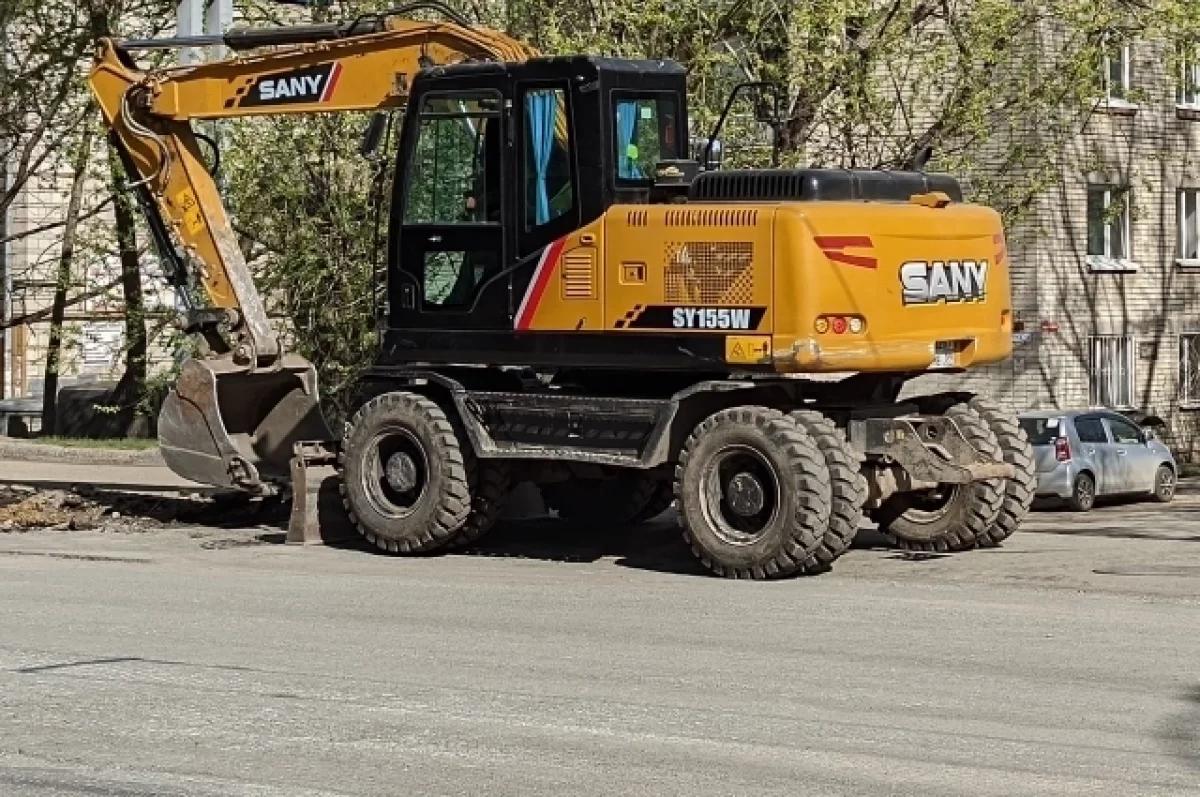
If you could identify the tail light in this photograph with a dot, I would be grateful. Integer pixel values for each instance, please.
(841, 324)
(1062, 449)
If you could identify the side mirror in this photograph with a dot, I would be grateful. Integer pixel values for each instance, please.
(373, 135)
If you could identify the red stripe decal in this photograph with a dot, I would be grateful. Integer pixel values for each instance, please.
(841, 241)
(852, 260)
(537, 285)
(334, 75)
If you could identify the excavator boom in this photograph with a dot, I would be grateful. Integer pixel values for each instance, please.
(235, 417)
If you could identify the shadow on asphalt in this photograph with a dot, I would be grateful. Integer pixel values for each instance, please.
(657, 546)
(1180, 733)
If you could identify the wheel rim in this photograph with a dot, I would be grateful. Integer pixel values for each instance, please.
(396, 472)
(1085, 492)
(929, 506)
(1166, 483)
(739, 495)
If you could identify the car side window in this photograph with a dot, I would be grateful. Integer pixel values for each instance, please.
(1090, 430)
(1124, 431)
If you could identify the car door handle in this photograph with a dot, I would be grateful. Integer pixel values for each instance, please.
(1092, 451)
(1120, 452)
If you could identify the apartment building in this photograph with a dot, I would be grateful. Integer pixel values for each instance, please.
(1106, 267)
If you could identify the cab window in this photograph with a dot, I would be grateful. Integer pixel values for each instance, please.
(549, 194)
(646, 131)
(454, 176)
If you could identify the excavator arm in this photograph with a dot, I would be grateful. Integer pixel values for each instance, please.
(235, 418)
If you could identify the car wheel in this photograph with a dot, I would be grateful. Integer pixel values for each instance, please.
(1083, 493)
(1164, 484)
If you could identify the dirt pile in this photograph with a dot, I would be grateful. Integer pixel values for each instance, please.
(26, 509)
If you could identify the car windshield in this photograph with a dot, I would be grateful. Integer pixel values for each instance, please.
(1041, 431)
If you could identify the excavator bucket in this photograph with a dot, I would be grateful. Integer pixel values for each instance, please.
(227, 425)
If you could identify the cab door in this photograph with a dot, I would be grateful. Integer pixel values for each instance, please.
(555, 278)
(451, 213)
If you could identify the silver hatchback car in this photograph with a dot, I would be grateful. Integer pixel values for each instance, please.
(1083, 454)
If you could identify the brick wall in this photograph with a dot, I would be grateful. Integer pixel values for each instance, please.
(1154, 149)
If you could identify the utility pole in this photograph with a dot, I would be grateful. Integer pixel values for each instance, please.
(198, 17)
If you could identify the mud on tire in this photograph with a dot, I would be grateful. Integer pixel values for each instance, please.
(848, 489)
(956, 518)
(1016, 450)
(404, 480)
(754, 493)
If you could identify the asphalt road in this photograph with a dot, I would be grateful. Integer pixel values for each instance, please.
(216, 662)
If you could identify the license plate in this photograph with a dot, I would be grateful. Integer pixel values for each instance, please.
(943, 356)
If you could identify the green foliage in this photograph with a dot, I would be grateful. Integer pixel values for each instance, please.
(302, 201)
(995, 87)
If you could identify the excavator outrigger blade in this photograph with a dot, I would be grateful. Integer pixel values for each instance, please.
(228, 425)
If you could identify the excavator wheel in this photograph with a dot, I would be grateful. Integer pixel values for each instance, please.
(404, 479)
(618, 501)
(849, 489)
(1020, 489)
(490, 481)
(754, 493)
(951, 517)
(660, 501)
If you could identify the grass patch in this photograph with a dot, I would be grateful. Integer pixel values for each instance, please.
(1189, 469)
(122, 443)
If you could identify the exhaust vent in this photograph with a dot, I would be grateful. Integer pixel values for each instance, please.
(711, 218)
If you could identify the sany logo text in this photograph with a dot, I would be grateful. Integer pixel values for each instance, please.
(926, 282)
(292, 87)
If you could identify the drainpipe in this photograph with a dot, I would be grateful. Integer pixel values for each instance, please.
(6, 306)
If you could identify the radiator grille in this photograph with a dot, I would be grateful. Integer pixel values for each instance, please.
(704, 272)
(709, 217)
(579, 274)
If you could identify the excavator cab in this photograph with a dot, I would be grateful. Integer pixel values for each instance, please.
(497, 162)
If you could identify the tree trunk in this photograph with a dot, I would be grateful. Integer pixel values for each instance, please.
(132, 385)
(54, 350)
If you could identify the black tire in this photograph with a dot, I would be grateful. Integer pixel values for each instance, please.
(490, 481)
(1083, 493)
(961, 515)
(730, 453)
(848, 489)
(1020, 489)
(374, 473)
(660, 501)
(618, 501)
(1164, 484)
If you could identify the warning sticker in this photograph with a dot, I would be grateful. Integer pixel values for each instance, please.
(189, 210)
(748, 349)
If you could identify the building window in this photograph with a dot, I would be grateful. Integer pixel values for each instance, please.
(1108, 228)
(1112, 359)
(1189, 226)
(1189, 370)
(1189, 80)
(1117, 75)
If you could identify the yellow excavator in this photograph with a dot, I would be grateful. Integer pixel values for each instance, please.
(573, 301)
